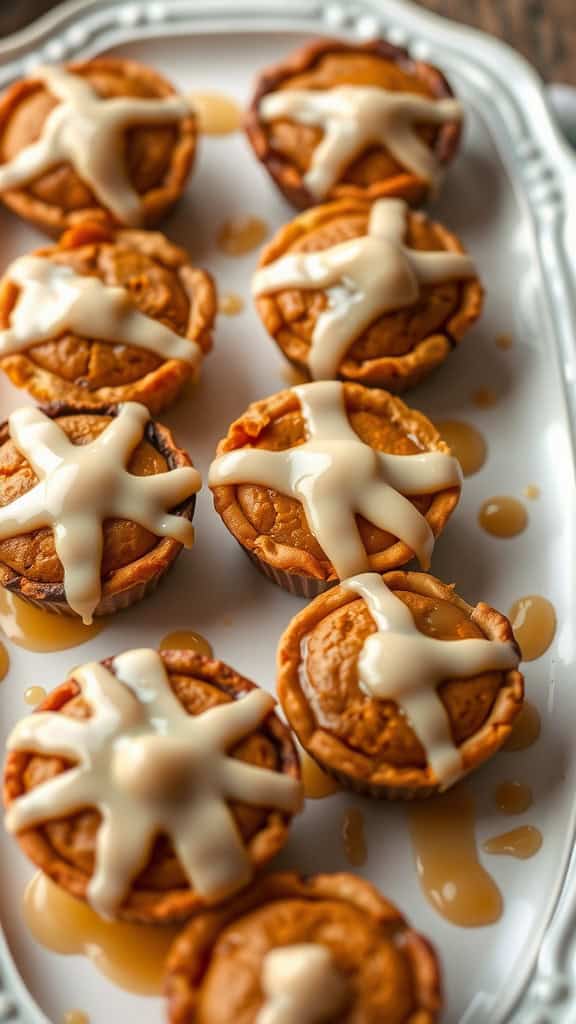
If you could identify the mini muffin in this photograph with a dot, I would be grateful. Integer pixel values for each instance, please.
(87, 536)
(119, 150)
(54, 360)
(380, 702)
(163, 753)
(349, 290)
(329, 939)
(375, 512)
(287, 140)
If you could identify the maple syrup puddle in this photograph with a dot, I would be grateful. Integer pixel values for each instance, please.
(513, 797)
(484, 398)
(186, 640)
(4, 662)
(502, 516)
(354, 838)
(241, 234)
(525, 731)
(132, 956)
(75, 1017)
(317, 784)
(504, 341)
(36, 630)
(533, 620)
(466, 443)
(522, 842)
(217, 114)
(34, 695)
(231, 304)
(452, 878)
(531, 491)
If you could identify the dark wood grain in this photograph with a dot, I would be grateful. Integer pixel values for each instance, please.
(543, 30)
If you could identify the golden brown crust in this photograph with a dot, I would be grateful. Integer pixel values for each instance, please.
(159, 157)
(274, 527)
(400, 348)
(373, 175)
(64, 849)
(411, 975)
(162, 284)
(133, 559)
(368, 744)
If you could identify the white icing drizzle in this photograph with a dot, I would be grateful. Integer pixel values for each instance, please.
(400, 663)
(81, 485)
(353, 118)
(53, 299)
(337, 476)
(149, 768)
(301, 985)
(88, 132)
(364, 278)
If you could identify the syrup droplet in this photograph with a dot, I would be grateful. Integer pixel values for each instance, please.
(217, 114)
(521, 842)
(4, 662)
(132, 956)
(354, 838)
(317, 784)
(484, 398)
(513, 797)
(231, 304)
(504, 341)
(503, 517)
(36, 630)
(186, 640)
(241, 234)
(293, 375)
(441, 620)
(452, 878)
(34, 695)
(525, 731)
(75, 1017)
(531, 491)
(466, 444)
(533, 620)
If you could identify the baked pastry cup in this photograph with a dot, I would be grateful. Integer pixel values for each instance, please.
(218, 967)
(142, 762)
(273, 527)
(287, 146)
(372, 744)
(395, 349)
(133, 558)
(61, 364)
(149, 156)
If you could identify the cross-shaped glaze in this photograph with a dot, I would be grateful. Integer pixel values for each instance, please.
(337, 476)
(87, 131)
(364, 278)
(81, 485)
(150, 768)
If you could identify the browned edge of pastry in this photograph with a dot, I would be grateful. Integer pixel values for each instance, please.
(289, 179)
(342, 761)
(156, 906)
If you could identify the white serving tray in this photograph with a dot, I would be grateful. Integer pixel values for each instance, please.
(510, 195)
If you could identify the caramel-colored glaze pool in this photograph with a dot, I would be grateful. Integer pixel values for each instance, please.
(466, 443)
(29, 627)
(513, 797)
(34, 695)
(230, 304)
(503, 516)
(451, 876)
(317, 784)
(186, 640)
(526, 729)
(522, 842)
(241, 234)
(217, 113)
(533, 620)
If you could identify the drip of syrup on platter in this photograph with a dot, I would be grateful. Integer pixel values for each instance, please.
(526, 729)
(217, 113)
(466, 443)
(512, 797)
(241, 234)
(186, 640)
(36, 630)
(533, 620)
(317, 784)
(503, 516)
(522, 843)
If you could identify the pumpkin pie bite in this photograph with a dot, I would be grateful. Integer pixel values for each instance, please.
(326, 947)
(353, 120)
(107, 315)
(398, 687)
(106, 139)
(151, 784)
(95, 506)
(370, 293)
(326, 480)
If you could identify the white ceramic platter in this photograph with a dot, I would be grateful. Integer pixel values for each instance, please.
(509, 196)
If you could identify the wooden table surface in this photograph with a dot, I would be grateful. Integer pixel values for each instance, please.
(543, 30)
